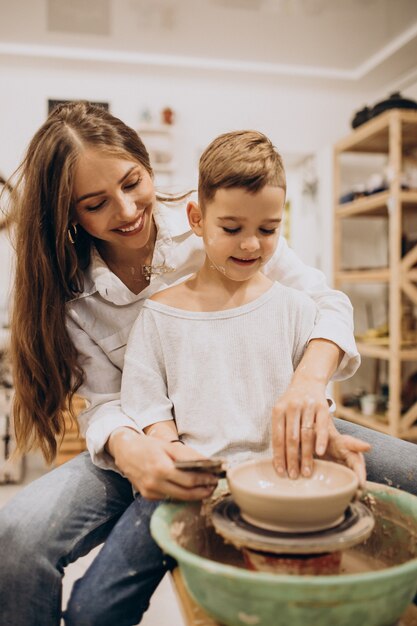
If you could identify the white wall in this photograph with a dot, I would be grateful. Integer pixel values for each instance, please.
(301, 119)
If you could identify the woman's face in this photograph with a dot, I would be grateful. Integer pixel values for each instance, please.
(114, 199)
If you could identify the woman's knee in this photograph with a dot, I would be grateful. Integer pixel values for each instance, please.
(22, 541)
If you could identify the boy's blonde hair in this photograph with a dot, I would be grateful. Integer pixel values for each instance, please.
(242, 158)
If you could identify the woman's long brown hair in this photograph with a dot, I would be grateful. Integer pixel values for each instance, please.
(49, 268)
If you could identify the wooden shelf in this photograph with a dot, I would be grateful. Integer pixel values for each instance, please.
(363, 276)
(394, 134)
(411, 435)
(373, 351)
(408, 354)
(409, 198)
(377, 422)
(412, 275)
(383, 352)
(373, 137)
(376, 205)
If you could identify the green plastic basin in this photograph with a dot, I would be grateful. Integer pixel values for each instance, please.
(239, 597)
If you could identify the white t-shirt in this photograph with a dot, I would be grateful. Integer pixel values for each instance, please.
(219, 373)
(100, 319)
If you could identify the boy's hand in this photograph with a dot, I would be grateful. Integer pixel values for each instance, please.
(300, 427)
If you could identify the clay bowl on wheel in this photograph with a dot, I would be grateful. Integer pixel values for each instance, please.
(281, 503)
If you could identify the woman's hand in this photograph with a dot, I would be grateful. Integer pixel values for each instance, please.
(148, 463)
(300, 428)
(301, 418)
(349, 451)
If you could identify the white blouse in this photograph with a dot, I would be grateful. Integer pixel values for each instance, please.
(100, 319)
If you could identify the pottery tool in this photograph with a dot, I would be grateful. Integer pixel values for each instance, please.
(209, 466)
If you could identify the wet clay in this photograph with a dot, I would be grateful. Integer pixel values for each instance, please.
(392, 542)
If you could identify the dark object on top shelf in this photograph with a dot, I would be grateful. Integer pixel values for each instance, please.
(350, 196)
(361, 117)
(395, 101)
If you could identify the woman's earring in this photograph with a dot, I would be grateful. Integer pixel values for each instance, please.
(72, 235)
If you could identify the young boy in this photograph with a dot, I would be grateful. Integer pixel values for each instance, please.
(216, 352)
(218, 349)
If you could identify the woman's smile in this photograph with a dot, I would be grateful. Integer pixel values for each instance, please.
(133, 227)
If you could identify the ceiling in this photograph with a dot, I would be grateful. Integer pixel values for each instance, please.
(345, 41)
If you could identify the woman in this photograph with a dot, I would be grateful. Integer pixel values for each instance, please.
(93, 240)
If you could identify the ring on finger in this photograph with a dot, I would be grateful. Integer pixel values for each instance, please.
(307, 427)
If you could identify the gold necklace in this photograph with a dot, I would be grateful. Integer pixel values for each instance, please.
(142, 273)
(156, 270)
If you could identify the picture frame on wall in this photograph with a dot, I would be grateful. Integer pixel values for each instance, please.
(53, 103)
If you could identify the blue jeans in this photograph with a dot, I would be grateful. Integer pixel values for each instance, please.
(49, 524)
(72, 509)
(124, 575)
(390, 461)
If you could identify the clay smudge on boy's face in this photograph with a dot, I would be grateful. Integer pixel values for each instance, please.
(219, 268)
(211, 242)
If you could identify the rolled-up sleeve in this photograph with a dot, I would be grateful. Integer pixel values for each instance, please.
(101, 391)
(334, 320)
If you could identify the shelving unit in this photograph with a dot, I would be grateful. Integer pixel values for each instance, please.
(72, 443)
(394, 134)
(159, 141)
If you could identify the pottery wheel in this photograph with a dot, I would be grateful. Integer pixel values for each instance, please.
(356, 526)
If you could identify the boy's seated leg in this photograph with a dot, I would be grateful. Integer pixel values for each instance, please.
(390, 461)
(49, 524)
(118, 585)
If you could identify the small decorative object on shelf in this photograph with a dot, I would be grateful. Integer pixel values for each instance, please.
(146, 116)
(159, 141)
(168, 116)
(389, 344)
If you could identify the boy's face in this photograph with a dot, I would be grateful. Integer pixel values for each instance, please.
(241, 229)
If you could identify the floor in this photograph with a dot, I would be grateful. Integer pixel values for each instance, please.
(164, 607)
